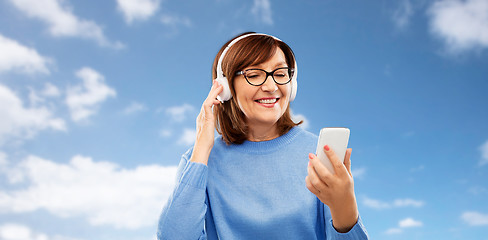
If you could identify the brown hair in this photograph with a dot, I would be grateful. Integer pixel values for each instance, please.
(251, 50)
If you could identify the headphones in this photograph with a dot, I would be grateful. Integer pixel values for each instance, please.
(226, 94)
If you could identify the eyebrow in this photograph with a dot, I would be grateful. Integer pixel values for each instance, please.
(275, 66)
(281, 63)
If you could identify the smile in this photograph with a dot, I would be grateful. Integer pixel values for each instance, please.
(273, 100)
(270, 102)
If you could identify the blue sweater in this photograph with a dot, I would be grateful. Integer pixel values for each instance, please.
(254, 190)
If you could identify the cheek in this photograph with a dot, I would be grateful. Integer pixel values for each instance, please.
(244, 97)
(285, 90)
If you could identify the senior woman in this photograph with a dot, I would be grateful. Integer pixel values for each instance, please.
(259, 179)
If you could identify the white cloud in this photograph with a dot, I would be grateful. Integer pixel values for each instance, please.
(137, 10)
(11, 175)
(262, 11)
(394, 231)
(417, 169)
(62, 22)
(95, 191)
(462, 25)
(298, 117)
(175, 20)
(134, 108)
(165, 133)
(402, 15)
(17, 57)
(178, 113)
(13, 231)
(358, 173)
(408, 134)
(83, 100)
(406, 202)
(188, 137)
(475, 190)
(409, 222)
(377, 204)
(475, 218)
(19, 122)
(37, 98)
(3, 159)
(402, 224)
(34, 99)
(484, 153)
(50, 90)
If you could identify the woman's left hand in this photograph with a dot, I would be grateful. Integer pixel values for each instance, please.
(336, 190)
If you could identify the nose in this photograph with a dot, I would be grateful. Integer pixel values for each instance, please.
(269, 85)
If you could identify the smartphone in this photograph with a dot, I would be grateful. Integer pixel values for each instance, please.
(337, 139)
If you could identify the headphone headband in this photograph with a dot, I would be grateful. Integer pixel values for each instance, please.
(221, 58)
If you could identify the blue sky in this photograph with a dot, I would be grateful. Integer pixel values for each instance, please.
(98, 101)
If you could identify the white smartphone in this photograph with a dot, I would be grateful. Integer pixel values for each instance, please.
(337, 139)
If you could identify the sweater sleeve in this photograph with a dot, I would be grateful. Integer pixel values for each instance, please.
(357, 232)
(183, 215)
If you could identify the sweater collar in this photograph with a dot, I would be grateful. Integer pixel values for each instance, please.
(269, 145)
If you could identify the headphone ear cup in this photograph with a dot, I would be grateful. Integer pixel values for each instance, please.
(293, 89)
(294, 84)
(225, 95)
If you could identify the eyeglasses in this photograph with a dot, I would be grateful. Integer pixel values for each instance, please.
(257, 77)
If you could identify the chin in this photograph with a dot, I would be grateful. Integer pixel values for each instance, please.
(265, 121)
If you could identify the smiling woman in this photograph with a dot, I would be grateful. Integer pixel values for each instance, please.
(253, 108)
(253, 181)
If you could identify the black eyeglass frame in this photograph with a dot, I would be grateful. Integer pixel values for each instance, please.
(291, 72)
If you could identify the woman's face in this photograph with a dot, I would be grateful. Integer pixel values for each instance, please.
(250, 98)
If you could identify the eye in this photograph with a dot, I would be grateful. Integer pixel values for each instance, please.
(280, 75)
(252, 75)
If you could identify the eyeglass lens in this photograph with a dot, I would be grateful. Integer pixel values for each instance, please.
(258, 76)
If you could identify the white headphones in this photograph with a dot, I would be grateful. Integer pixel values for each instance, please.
(226, 94)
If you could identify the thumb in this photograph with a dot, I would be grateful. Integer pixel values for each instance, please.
(347, 160)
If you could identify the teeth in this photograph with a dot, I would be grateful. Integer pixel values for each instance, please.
(267, 100)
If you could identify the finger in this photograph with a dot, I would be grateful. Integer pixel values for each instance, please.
(310, 186)
(211, 99)
(315, 179)
(347, 160)
(217, 88)
(215, 84)
(338, 165)
(322, 172)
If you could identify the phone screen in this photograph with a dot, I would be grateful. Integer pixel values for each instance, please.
(337, 138)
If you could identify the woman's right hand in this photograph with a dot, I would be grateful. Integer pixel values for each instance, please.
(206, 126)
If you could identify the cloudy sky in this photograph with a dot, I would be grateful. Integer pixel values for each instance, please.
(98, 101)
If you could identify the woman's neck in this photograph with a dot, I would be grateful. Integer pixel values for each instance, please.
(259, 133)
